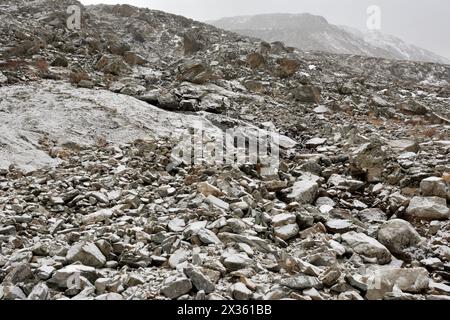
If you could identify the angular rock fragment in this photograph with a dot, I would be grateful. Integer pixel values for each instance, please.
(174, 287)
(398, 235)
(86, 253)
(428, 208)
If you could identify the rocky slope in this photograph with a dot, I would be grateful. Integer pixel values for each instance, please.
(92, 205)
(314, 33)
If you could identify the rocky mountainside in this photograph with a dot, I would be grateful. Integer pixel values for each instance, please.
(93, 205)
(314, 33)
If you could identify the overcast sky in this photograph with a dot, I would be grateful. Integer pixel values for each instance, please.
(425, 23)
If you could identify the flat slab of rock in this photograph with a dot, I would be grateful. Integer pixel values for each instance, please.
(315, 142)
(236, 262)
(404, 145)
(339, 226)
(176, 287)
(428, 208)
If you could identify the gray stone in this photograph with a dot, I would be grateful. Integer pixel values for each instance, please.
(176, 225)
(402, 146)
(175, 287)
(432, 263)
(253, 241)
(372, 215)
(287, 232)
(208, 237)
(398, 235)
(199, 280)
(109, 296)
(345, 184)
(367, 247)
(45, 272)
(315, 142)
(284, 219)
(13, 293)
(8, 230)
(330, 277)
(98, 216)
(304, 192)
(70, 274)
(429, 208)
(19, 273)
(86, 253)
(434, 187)
(216, 202)
(339, 226)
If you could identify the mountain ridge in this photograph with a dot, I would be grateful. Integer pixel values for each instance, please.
(314, 33)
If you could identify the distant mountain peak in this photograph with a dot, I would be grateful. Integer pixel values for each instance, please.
(310, 32)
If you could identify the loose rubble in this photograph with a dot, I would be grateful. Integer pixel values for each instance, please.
(358, 208)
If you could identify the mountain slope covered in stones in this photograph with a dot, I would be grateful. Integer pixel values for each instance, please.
(314, 33)
(92, 205)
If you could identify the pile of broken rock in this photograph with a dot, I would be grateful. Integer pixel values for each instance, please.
(119, 223)
(358, 209)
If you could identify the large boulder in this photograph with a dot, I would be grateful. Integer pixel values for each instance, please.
(194, 71)
(398, 235)
(69, 275)
(366, 246)
(428, 208)
(304, 191)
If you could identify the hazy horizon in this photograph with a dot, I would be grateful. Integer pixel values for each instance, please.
(424, 24)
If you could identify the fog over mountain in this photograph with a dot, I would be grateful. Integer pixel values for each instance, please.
(314, 33)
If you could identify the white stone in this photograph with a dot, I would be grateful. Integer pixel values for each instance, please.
(428, 208)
